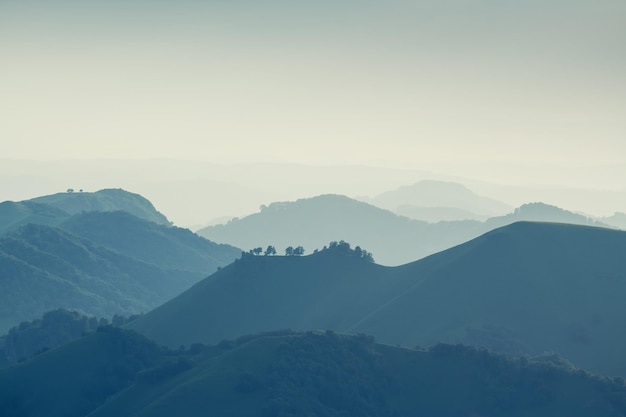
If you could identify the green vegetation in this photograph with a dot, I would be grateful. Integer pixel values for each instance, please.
(114, 373)
(54, 329)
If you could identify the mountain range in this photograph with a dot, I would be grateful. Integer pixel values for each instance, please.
(523, 289)
(393, 239)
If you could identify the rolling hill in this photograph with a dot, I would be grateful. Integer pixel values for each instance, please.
(117, 373)
(101, 260)
(110, 263)
(104, 200)
(524, 288)
(165, 246)
(54, 209)
(14, 215)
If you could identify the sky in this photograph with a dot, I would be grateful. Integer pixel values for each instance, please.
(479, 88)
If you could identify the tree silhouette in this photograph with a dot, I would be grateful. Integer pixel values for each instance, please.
(271, 250)
(289, 251)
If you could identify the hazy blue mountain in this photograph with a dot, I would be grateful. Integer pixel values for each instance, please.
(104, 200)
(445, 195)
(43, 268)
(313, 222)
(437, 214)
(616, 220)
(524, 288)
(541, 212)
(117, 373)
(13, 215)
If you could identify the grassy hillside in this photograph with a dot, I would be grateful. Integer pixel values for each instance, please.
(104, 200)
(14, 215)
(524, 288)
(115, 373)
(167, 247)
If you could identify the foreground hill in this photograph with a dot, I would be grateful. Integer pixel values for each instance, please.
(130, 266)
(104, 200)
(524, 288)
(116, 373)
(393, 239)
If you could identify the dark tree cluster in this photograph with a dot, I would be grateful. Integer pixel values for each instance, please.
(297, 251)
(271, 250)
(344, 248)
(55, 328)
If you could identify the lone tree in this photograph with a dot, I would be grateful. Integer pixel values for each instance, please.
(256, 251)
(271, 250)
(289, 251)
(299, 251)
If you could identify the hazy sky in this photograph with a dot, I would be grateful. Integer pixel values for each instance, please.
(420, 84)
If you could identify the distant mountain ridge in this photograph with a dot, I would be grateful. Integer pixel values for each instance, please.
(523, 288)
(393, 239)
(56, 208)
(445, 195)
(313, 222)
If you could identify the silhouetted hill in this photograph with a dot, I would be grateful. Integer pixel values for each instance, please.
(313, 222)
(43, 268)
(116, 373)
(446, 195)
(104, 200)
(524, 288)
(164, 246)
